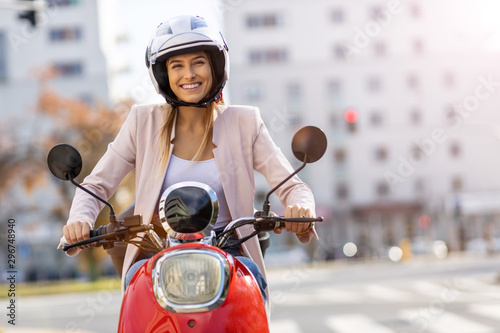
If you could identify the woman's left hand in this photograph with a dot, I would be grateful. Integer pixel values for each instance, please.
(297, 211)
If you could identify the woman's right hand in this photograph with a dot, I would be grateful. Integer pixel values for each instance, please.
(76, 232)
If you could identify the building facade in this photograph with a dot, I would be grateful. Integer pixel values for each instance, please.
(408, 104)
(64, 36)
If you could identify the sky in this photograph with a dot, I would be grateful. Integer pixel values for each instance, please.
(133, 22)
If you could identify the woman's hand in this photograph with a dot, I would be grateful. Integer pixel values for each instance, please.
(76, 232)
(298, 228)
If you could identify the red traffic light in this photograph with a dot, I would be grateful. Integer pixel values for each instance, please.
(351, 116)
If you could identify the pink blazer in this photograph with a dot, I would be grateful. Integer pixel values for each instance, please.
(242, 145)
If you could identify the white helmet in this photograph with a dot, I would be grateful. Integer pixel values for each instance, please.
(182, 35)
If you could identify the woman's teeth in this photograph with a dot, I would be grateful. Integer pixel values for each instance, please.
(191, 86)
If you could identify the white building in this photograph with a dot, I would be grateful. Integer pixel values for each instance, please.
(67, 38)
(421, 82)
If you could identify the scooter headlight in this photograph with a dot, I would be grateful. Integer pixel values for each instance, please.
(191, 280)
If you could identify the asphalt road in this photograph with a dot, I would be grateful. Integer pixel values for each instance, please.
(459, 295)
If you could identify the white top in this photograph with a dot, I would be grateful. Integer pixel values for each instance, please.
(180, 170)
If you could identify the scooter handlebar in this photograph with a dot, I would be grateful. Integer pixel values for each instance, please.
(277, 222)
(103, 233)
(298, 220)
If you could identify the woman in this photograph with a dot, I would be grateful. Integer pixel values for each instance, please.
(192, 137)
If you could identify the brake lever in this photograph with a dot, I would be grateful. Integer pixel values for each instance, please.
(91, 240)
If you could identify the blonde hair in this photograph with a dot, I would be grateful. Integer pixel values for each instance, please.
(166, 132)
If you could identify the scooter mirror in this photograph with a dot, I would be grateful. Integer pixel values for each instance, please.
(309, 144)
(64, 161)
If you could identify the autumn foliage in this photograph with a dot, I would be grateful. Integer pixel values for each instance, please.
(87, 127)
(24, 146)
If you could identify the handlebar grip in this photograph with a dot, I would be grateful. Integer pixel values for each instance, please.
(277, 222)
(281, 224)
(94, 236)
(102, 230)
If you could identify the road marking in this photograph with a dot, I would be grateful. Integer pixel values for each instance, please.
(427, 288)
(320, 296)
(386, 293)
(355, 323)
(434, 319)
(284, 326)
(480, 287)
(337, 295)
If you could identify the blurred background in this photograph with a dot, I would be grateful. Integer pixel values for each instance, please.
(408, 93)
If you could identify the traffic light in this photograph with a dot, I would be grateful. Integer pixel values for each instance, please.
(351, 117)
(29, 15)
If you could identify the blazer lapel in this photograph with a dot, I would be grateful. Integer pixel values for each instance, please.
(222, 155)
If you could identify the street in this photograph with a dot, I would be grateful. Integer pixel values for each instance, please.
(458, 294)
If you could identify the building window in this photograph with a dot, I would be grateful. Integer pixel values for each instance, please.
(294, 89)
(417, 155)
(418, 46)
(415, 10)
(87, 98)
(382, 189)
(65, 34)
(419, 186)
(68, 68)
(334, 89)
(376, 119)
(340, 155)
(377, 12)
(412, 81)
(335, 119)
(455, 149)
(264, 20)
(381, 154)
(63, 2)
(294, 95)
(351, 126)
(3, 57)
(340, 51)
(337, 15)
(253, 91)
(374, 84)
(456, 184)
(451, 116)
(416, 117)
(449, 79)
(268, 56)
(342, 192)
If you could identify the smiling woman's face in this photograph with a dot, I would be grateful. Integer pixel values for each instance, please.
(190, 76)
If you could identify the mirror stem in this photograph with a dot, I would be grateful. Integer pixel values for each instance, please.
(112, 212)
(267, 205)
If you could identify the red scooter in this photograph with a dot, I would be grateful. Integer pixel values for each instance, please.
(191, 284)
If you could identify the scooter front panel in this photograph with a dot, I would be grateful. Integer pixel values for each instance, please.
(243, 309)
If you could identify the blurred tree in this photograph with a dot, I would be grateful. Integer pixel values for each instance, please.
(89, 128)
